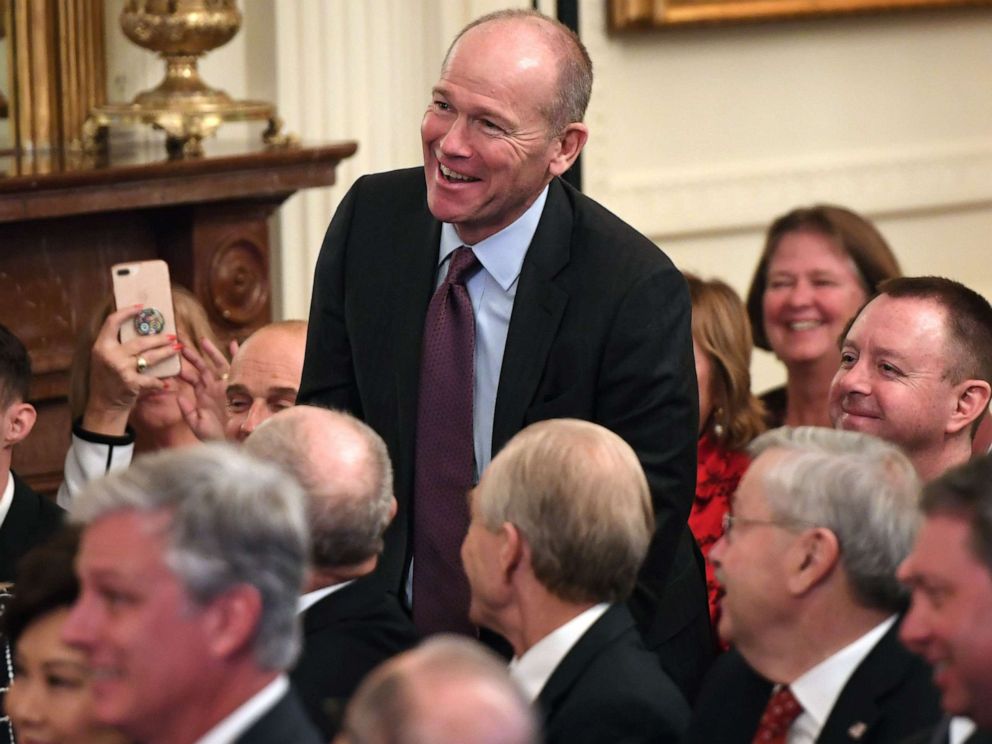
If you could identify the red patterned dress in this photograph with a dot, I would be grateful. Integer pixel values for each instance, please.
(718, 471)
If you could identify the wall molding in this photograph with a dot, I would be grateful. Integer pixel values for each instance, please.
(737, 197)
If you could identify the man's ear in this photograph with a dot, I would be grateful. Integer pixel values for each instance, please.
(231, 620)
(570, 144)
(812, 559)
(971, 402)
(18, 421)
(512, 550)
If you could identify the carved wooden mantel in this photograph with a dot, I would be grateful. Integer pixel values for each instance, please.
(66, 219)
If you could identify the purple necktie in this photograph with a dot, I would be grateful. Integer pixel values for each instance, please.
(445, 454)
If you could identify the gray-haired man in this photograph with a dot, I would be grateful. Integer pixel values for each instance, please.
(190, 567)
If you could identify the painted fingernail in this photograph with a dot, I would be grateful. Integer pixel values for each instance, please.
(172, 336)
(177, 346)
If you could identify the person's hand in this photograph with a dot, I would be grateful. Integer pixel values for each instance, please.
(115, 379)
(206, 411)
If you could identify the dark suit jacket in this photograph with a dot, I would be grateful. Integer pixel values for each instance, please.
(30, 520)
(610, 688)
(285, 723)
(890, 695)
(346, 635)
(600, 331)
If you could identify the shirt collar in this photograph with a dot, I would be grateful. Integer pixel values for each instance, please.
(502, 254)
(309, 599)
(817, 689)
(535, 667)
(7, 498)
(245, 715)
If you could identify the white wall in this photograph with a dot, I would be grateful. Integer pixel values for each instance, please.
(699, 136)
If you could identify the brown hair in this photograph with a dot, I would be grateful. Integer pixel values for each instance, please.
(849, 231)
(191, 321)
(720, 328)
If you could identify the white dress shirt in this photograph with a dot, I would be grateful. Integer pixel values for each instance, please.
(245, 715)
(532, 670)
(7, 498)
(817, 690)
(961, 729)
(308, 600)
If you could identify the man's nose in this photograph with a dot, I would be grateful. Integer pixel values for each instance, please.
(854, 378)
(455, 142)
(256, 415)
(78, 628)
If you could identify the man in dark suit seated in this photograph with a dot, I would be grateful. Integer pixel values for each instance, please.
(818, 526)
(950, 620)
(350, 622)
(190, 569)
(559, 525)
(456, 303)
(448, 690)
(26, 518)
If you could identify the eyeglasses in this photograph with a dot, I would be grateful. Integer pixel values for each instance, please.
(729, 521)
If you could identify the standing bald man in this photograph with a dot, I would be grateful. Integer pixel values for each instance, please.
(573, 314)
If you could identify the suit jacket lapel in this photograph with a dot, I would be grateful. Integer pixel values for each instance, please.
(855, 712)
(537, 311)
(612, 624)
(415, 268)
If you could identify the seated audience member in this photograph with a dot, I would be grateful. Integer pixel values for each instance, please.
(818, 267)
(560, 523)
(190, 569)
(916, 370)
(51, 698)
(117, 408)
(819, 525)
(448, 690)
(950, 620)
(350, 623)
(729, 414)
(26, 518)
(263, 378)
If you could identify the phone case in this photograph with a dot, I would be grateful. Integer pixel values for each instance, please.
(147, 283)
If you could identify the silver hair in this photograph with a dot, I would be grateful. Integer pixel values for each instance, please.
(578, 494)
(234, 521)
(345, 471)
(431, 694)
(864, 490)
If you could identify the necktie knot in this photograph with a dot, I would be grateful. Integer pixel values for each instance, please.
(462, 263)
(780, 713)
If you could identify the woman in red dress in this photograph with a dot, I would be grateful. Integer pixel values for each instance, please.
(730, 416)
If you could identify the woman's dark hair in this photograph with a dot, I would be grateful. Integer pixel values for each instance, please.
(45, 582)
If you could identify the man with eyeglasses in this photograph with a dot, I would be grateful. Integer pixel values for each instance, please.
(808, 562)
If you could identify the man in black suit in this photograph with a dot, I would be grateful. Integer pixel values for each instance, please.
(808, 559)
(190, 568)
(448, 690)
(950, 620)
(26, 518)
(561, 521)
(575, 313)
(351, 623)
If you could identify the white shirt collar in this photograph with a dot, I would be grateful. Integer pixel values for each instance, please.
(817, 690)
(309, 599)
(502, 254)
(534, 668)
(961, 728)
(245, 715)
(7, 498)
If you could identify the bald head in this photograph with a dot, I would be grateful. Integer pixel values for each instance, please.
(265, 376)
(344, 468)
(449, 690)
(573, 86)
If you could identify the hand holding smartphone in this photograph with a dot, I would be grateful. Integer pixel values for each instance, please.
(146, 283)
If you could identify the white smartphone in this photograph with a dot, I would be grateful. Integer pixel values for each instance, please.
(146, 283)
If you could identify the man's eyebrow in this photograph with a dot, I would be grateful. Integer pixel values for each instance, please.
(280, 391)
(237, 389)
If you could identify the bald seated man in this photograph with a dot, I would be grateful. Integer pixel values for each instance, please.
(449, 690)
(916, 370)
(350, 623)
(263, 378)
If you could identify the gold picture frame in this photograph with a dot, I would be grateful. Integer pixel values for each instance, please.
(638, 14)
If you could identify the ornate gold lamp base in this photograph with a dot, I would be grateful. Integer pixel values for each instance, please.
(182, 105)
(184, 128)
